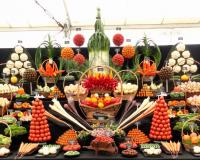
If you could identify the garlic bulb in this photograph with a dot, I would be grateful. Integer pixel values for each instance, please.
(6, 71)
(175, 54)
(23, 57)
(190, 61)
(27, 64)
(14, 57)
(176, 69)
(180, 47)
(171, 62)
(18, 64)
(186, 54)
(10, 64)
(193, 68)
(14, 71)
(186, 68)
(18, 49)
(21, 71)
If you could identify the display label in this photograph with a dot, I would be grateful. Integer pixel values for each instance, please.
(12, 71)
(100, 69)
(28, 64)
(128, 40)
(66, 42)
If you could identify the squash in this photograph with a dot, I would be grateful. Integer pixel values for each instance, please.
(98, 44)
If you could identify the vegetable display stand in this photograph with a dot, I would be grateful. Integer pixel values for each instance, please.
(8, 140)
(100, 82)
(129, 89)
(71, 90)
(7, 98)
(50, 71)
(193, 139)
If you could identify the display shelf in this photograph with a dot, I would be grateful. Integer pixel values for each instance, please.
(89, 155)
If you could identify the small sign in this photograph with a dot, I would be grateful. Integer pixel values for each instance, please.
(66, 42)
(12, 71)
(128, 40)
(118, 28)
(28, 64)
(19, 41)
(100, 69)
(78, 29)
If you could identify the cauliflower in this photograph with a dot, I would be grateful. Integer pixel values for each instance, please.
(186, 54)
(23, 57)
(10, 64)
(14, 57)
(6, 71)
(193, 68)
(18, 49)
(171, 62)
(186, 68)
(181, 61)
(180, 47)
(176, 69)
(14, 71)
(27, 64)
(190, 61)
(175, 54)
(21, 71)
(18, 64)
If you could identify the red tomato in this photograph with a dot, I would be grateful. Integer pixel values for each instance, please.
(158, 129)
(161, 117)
(32, 127)
(160, 125)
(160, 114)
(35, 139)
(164, 137)
(37, 123)
(158, 121)
(163, 129)
(37, 127)
(42, 134)
(37, 131)
(40, 139)
(156, 133)
(161, 133)
(42, 131)
(152, 132)
(168, 137)
(42, 122)
(40, 115)
(159, 137)
(49, 137)
(44, 138)
(46, 125)
(46, 129)
(44, 118)
(39, 119)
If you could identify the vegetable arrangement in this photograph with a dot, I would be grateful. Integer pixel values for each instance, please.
(160, 125)
(15, 130)
(172, 147)
(4, 140)
(4, 151)
(138, 136)
(47, 150)
(39, 128)
(66, 137)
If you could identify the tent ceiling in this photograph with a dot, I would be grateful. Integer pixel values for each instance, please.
(25, 14)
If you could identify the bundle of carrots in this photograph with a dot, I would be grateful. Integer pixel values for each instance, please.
(147, 69)
(172, 147)
(51, 69)
(26, 148)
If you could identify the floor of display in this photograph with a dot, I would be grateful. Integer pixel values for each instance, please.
(85, 155)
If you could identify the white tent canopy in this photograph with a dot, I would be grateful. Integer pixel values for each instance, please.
(163, 21)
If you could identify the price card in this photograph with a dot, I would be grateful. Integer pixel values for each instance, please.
(128, 40)
(19, 41)
(12, 71)
(66, 42)
(78, 29)
(29, 64)
(118, 28)
(100, 69)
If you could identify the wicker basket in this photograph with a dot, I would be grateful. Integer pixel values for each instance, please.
(110, 110)
(75, 97)
(6, 145)
(9, 96)
(188, 147)
(128, 96)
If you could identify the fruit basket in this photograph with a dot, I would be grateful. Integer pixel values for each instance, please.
(100, 82)
(129, 89)
(49, 70)
(5, 99)
(71, 90)
(7, 140)
(189, 141)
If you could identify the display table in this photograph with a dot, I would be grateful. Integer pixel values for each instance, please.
(87, 155)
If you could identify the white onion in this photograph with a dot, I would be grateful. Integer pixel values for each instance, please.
(181, 61)
(186, 54)
(176, 69)
(6, 71)
(23, 57)
(180, 47)
(10, 64)
(18, 64)
(190, 61)
(175, 54)
(193, 68)
(171, 62)
(18, 49)
(14, 57)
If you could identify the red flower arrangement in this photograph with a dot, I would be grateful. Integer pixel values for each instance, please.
(118, 39)
(78, 40)
(100, 82)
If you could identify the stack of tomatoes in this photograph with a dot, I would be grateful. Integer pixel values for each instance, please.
(39, 128)
(160, 126)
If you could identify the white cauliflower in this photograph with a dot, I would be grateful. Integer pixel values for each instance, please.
(14, 71)
(23, 57)
(14, 57)
(176, 69)
(186, 68)
(180, 47)
(175, 54)
(19, 49)
(27, 64)
(21, 71)
(171, 62)
(186, 54)
(10, 64)
(181, 61)
(193, 68)
(6, 71)
(190, 61)
(18, 64)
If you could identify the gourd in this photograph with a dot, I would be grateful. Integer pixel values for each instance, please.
(98, 44)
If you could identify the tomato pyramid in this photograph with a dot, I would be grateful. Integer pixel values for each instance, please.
(39, 128)
(160, 125)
